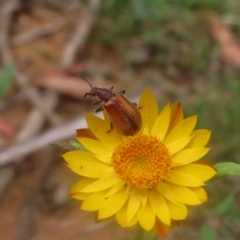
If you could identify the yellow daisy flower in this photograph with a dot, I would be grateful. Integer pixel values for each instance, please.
(147, 178)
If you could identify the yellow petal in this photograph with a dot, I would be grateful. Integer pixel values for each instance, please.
(121, 217)
(200, 138)
(85, 132)
(106, 117)
(203, 162)
(133, 203)
(144, 196)
(94, 201)
(128, 189)
(113, 204)
(189, 155)
(149, 108)
(200, 192)
(163, 189)
(102, 184)
(161, 125)
(80, 196)
(118, 185)
(160, 228)
(102, 152)
(178, 145)
(183, 129)
(176, 115)
(199, 171)
(159, 206)
(75, 191)
(77, 187)
(100, 129)
(184, 195)
(183, 179)
(85, 164)
(177, 212)
(145, 130)
(146, 217)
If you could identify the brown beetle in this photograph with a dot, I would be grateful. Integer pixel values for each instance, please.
(124, 115)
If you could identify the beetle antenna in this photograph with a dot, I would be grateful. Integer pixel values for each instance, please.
(81, 76)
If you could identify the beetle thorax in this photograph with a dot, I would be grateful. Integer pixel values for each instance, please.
(104, 94)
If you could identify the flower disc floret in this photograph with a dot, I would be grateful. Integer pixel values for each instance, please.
(141, 161)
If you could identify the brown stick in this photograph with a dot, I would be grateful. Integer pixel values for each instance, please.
(34, 34)
(82, 31)
(56, 134)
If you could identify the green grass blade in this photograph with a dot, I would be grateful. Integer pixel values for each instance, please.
(6, 80)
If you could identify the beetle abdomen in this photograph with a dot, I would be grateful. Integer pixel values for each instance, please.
(124, 115)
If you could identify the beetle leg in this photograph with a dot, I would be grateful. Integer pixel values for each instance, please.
(86, 94)
(111, 89)
(123, 92)
(135, 104)
(97, 102)
(111, 128)
(100, 108)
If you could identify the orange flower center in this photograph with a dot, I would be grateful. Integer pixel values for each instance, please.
(141, 161)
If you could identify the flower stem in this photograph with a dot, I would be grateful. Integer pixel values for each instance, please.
(141, 234)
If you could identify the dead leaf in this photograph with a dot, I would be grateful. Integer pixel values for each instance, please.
(230, 48)
(71, 86)
(60, 81)
(6, 129)
(77, 68)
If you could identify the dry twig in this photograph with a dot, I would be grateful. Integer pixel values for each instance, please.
(35, 120)
(53, 135)
(80, 36)
(40, 32)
